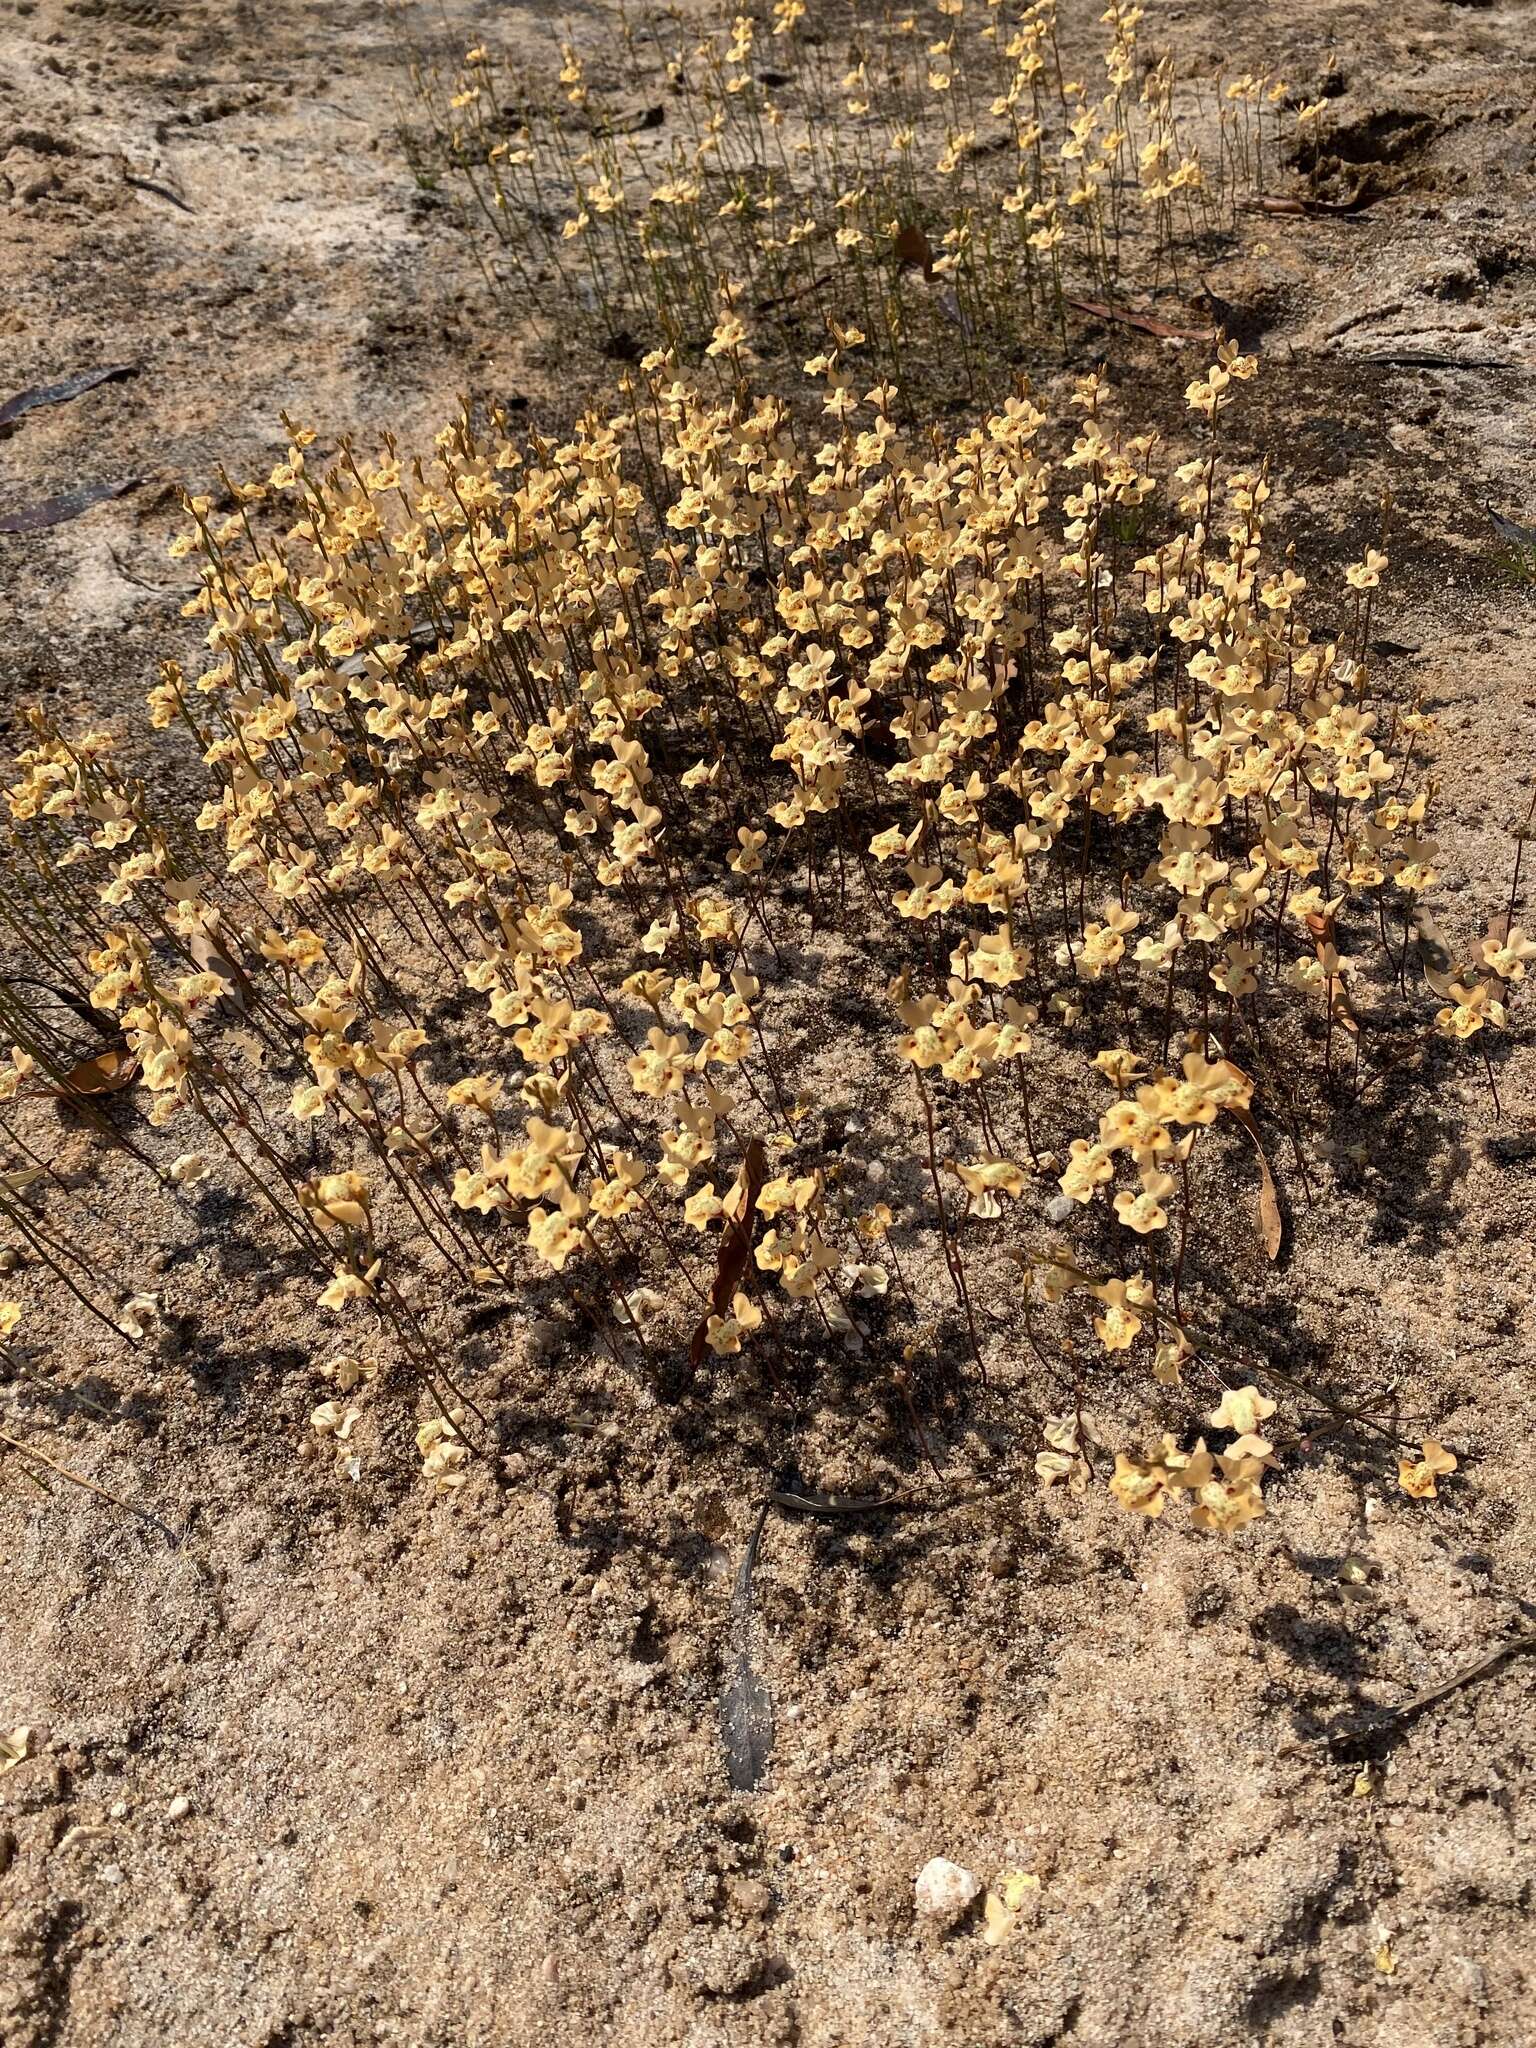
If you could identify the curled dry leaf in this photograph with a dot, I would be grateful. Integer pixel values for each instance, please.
(735, 1244)
(15, 1748)
(1271, 1223)
(103, 1074)
(137, 1314)
(914, 251)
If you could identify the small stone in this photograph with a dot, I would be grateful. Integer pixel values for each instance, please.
(1472, 1978)
(543, 1336)
(111, 1873)
(945, 1889)
(179, 1807)
(749, 1896)
(119, 1809)
(549, 1970)
(7, 1850)
(1059, 1209)
(10, 1258)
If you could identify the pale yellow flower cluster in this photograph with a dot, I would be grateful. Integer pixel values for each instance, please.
(578, 734)
(972, 160)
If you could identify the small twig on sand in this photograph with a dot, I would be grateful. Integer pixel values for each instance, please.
(1386, 1722)
(28, 1453)
(1515, 1647)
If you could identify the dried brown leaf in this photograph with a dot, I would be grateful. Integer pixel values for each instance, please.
(746, 1706)
(1271, 1223)
(103, 1074)
(206, 948)
(62, 392)
(1144, 323)
(735, 1243)
(53, 511)
(746, 1726)
(914, 251)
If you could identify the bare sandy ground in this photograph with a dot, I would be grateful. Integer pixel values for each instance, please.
(353, 1767)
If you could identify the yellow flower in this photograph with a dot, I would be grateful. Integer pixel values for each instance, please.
(347, 1285)
(1118, 1066)
(1242, 1409)
(1088, 1168)
(1119, 1326)
(1417, 1476)
(1140, 1488)
(704, 1207)
(338, 1198)
(662, 1068)
(1226, 1505)
(985, 1179)
(1144, 1212)
(1367, 574)
(443, 1452)
(552, 1236)
(724, 1333)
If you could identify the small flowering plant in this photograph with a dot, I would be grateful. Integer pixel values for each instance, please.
(531, 768)
(965, 192)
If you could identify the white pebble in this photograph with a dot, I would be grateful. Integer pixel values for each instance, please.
(1059, 1209)
(944, 1889)
(179, 1807)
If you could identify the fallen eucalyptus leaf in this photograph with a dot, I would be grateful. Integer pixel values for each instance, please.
(914, 251)
(1271, 1223)
(1510, 531)
(54, 511)
(1144, 323)
(735, 1244)
(160, 191)
(62, 392)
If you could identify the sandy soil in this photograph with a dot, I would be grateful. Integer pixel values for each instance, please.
(349, 1766)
